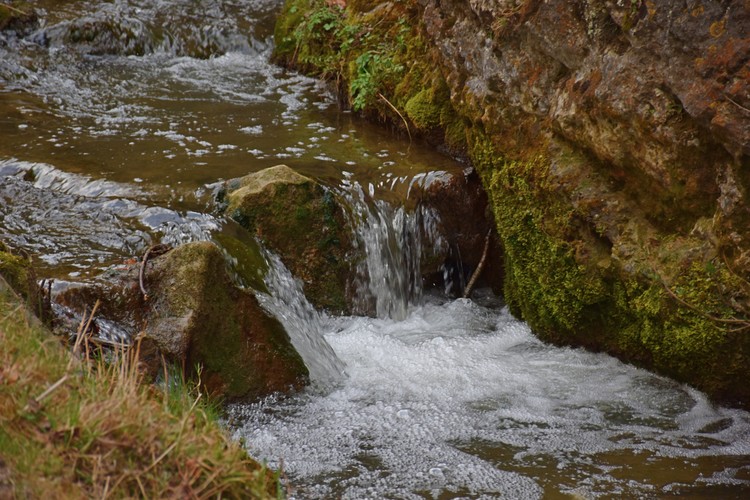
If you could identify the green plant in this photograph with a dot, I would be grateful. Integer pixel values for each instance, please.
(371, 72)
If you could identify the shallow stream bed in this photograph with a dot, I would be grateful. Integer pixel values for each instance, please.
(112, 142)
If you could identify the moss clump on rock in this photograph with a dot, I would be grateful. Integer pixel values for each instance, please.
(20, 275)
(300, 220)
(674, 313)
(17, 272)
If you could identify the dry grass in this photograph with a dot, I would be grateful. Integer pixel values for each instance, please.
(71, 427)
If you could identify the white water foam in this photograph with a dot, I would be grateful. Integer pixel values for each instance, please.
(430, 400)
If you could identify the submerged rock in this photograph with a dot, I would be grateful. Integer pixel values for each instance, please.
(198, 319)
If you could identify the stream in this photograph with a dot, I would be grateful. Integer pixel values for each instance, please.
(117, 119)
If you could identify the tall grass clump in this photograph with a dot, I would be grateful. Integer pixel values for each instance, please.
(85, 425)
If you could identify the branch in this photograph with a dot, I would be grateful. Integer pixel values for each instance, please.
(744, 323)
(480, 266)
(9, 7)
(397, 112)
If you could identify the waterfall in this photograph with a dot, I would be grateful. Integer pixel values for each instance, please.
(305, 326)
(393, 240)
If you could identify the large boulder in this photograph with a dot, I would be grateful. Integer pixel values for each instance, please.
(196, 318)
(299, 219)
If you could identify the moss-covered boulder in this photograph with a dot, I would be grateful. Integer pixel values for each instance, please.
(302, 222)
(198, 319)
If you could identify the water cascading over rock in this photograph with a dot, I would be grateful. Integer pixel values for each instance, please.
(359, 251)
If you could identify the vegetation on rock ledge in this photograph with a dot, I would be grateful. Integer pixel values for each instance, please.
(378, 59)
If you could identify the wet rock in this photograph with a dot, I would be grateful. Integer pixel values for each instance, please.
(198, 319)
(300, 220)
(464, 221)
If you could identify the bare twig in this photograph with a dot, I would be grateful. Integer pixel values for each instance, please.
(35, 402)
(475, 275)
(83, 330)
(14, 9)
(397, 112)
(743, 108)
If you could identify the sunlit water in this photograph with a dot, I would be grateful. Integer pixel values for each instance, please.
(109, 144)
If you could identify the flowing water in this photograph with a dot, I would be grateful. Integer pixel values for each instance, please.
(118, 118)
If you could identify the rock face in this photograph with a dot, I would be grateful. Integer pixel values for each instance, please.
(195, 316)
(613, 140)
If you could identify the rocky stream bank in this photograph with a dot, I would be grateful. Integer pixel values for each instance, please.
(612, 139)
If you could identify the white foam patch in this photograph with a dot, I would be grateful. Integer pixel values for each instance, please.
(429, 400)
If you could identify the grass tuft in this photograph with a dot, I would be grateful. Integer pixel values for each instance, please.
(86, 425)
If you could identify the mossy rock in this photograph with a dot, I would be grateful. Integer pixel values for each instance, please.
(195, 317)
(301, 221)
(667, 307)
(200, 318)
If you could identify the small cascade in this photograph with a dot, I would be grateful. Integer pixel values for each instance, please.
(389, 278)
(287, 302)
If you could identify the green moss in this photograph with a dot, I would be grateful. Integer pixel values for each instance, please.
(16, 271)
(300, 220)
(544, 283)
(684, 331)
(423, 111)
